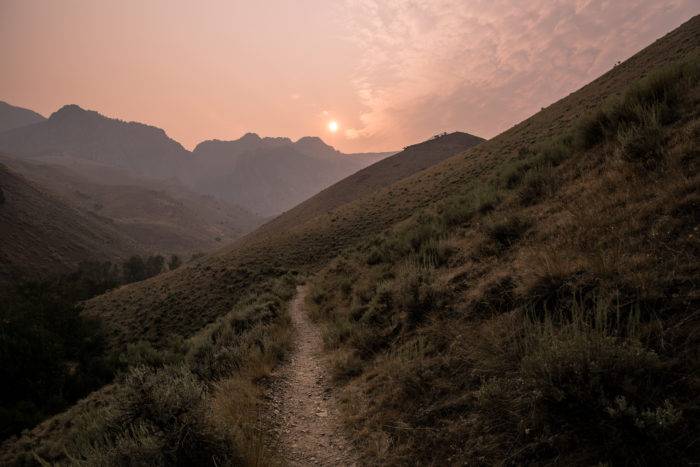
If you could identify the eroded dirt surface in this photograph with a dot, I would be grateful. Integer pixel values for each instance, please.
(306, 419)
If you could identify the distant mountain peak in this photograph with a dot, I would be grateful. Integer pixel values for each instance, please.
(310, 139)
(249, 137)
(315, 146)
(73, 111)
(14, 117)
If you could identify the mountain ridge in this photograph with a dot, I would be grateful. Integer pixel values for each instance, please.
(12, 117)
(215, 167)
(209, 285)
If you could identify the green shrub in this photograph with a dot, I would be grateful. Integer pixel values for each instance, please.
(142, 353)
(642, 142)
(424, 228)
(541, 157)
(536, 183)
(510, 174)
(345, 366)
(553, 151)
(337, 331)
(662, 91)
(160, 418)
(498, 297)
(174, 263)
(434, 253)
(576, 377)
(417, 292)
(507, 231)
(459, 210)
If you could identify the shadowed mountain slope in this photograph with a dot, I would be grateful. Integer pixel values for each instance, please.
(14, 117)
(381, 174)
(161, 217)
(188, 298)
(270, 175)
(264, 175)
(72, 132)
(42, 236)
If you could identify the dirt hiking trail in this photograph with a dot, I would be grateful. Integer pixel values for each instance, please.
(306, 417)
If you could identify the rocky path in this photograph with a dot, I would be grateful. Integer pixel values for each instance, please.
(306, 418)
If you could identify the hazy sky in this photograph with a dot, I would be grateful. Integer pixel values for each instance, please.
(390, 72)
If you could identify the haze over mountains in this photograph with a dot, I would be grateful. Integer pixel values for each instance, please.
(526, 300)
(263, 175)
(142, 192)
(269, 175)
(15, 117)
(41, 235)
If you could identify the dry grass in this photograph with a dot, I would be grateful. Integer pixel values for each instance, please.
(562, 327)
(198, 401)
(410, 361)
(309, 236)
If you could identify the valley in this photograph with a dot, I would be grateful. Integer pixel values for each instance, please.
(528, 299)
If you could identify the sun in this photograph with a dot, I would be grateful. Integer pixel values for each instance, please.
(333, 126)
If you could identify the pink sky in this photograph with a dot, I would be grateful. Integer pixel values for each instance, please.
(391, 72)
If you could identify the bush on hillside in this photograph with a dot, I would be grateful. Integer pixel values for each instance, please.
(642, 142)
(506, 231)
(161, 417)
(661, 91)
(580, 378)
(537, 183)
(461, 209)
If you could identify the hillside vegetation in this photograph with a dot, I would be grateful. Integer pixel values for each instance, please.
(529, 300)
(545, 314)
(193, 402)
(184, 301)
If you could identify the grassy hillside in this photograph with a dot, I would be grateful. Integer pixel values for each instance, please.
(187, 299)
(546, 314)
(206, 289)
(193, 402)
(531, 300)
(379, 175)
(55, 241)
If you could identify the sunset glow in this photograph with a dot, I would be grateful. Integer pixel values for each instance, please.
(398, 71)
(333, 126)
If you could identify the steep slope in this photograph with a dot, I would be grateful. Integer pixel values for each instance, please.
(251, 267)
(263, 175)
(379, 175)
(546, 314)
(37, 245)
(270, 175)
(532, 300)
(185, 300)
(161, 217)
(71, 132)
(14, 117)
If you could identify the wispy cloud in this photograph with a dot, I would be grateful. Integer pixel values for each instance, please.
(483, 65)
